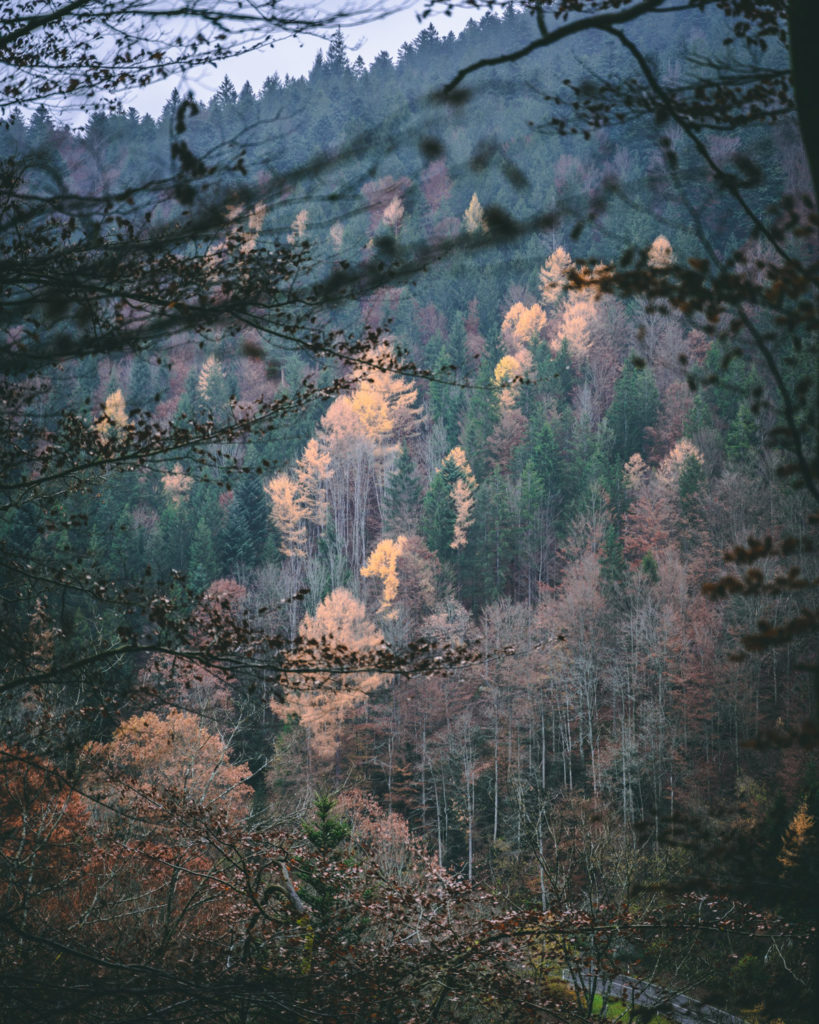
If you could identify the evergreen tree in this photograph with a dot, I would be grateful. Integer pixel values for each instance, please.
(692, 476)
(444, 399)
(226, 96)
(633, 409)
(481, 417)
(140, 390)
(336, 62)
(403, 495)
(439, 513)
(203, 564)
(325, 835)
(236, 541)
(491, 557)
(741, 441)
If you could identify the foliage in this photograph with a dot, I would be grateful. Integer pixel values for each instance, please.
(282, 514)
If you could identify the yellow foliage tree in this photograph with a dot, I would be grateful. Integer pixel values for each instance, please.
(797, 838)
(393, 214)
(457, 458)
(340, 425)
(288, 513)
(323, 668)
(383, 563)
(507, 379)
(554, 275)
(381, 409)
(337, 235)
(462, 491)
(474, 219)
(238, 237)
(634, 472)
(209, 376)
(522, 325)
(576, 324)
(114, 419)
(668, 472)
(463, 496)
(398, 394)
(372, 411)
(176, 484)
(313, 472)
(298, 229)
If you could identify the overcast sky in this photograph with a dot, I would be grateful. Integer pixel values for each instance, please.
(295, 57)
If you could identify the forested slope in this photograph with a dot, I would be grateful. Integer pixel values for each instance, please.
(524, 482)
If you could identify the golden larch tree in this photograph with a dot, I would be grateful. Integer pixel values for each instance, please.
(313, 473)
(337, 236)
(324, 669)
(298, 229)
(554, 275)
(522, 326)
(508, 373)
(474, 219)
(383, 563)
(177, 484)
(462, 492)
(114, 418)
(288, 514)
(463, 496)
(210, 376)
(394, 214)
(575, 326)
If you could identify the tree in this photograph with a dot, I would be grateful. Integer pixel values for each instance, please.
(474, 220)
(173, 756)
(327, 691)
(448, 505)
(87, 51)
(382, 563)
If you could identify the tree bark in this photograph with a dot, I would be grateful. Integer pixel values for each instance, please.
(803, 31)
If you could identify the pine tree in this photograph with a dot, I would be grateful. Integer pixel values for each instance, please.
(226, 96)
(439, 513)
(690, 483)
(403, 495)
(481, 417)
(140, 391)
(633, 409)
(486, 570)
(741, 440)
(336, 62)
(326, 833)
(236, 541)
(203, 563)
(444, 400)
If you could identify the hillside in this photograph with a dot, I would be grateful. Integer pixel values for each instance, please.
(345, 456)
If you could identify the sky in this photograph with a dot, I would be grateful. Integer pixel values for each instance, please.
(295, 57)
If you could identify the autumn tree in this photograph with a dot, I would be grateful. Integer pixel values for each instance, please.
(174, 759)
(382, 564)
(326, 690)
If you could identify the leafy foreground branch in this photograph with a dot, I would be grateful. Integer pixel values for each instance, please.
(174, 905)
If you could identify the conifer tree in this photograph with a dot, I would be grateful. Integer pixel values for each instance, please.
(403, 494)
(474, 220)
(633, 409)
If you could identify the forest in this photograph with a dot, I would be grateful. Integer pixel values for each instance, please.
(408, 511)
